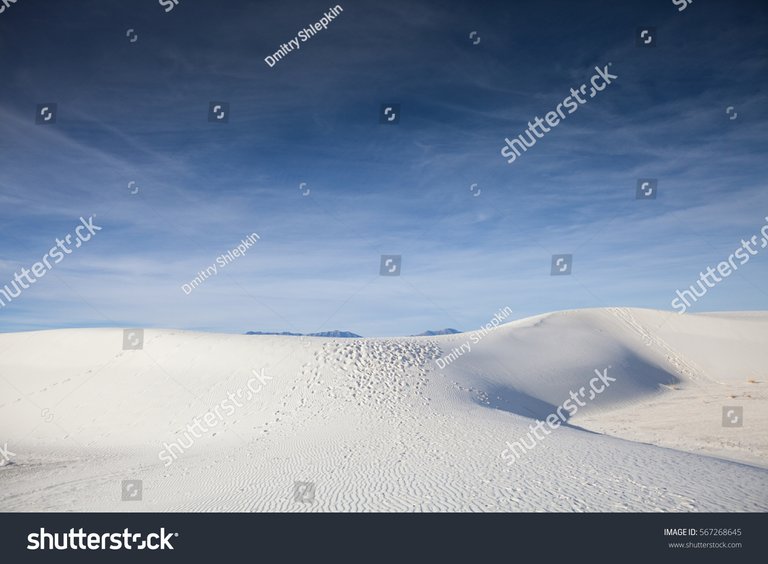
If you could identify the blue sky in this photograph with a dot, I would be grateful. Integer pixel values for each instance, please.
(138, 112)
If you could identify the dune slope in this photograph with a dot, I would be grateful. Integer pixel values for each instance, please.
(214, 422)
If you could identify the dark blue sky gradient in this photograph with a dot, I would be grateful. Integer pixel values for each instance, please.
(138, 112)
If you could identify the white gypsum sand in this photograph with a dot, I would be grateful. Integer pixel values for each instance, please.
(377, 426)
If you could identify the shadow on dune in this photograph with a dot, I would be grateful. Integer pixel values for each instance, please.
(635, 378)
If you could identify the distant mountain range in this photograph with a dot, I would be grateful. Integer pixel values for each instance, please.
(334, 334)
(448, 331)
(348, 334)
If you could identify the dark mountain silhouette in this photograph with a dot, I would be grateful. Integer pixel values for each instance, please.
(448, 331)
(335, 334)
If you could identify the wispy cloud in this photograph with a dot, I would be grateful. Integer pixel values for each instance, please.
(138, 113)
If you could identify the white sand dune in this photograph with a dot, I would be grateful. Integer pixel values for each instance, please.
(377, 426)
